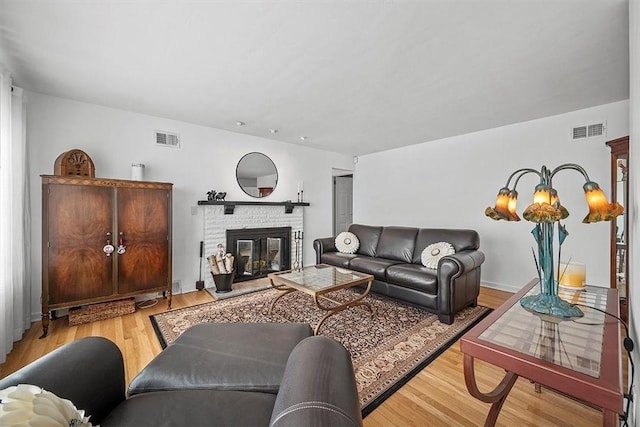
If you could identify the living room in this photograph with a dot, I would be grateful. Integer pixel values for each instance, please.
(445, 180)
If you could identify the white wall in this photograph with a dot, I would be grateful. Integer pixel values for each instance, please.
(206, 161)
(448, 184)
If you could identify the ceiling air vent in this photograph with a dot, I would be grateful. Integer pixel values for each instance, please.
(585, 132)
(167, 139)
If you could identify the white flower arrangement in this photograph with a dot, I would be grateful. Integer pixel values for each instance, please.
(27, 405)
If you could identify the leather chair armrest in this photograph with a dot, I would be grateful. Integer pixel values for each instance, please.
(89, 372)
(318, 387)
(324, 245)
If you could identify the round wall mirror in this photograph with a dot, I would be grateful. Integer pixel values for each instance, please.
(256, 175)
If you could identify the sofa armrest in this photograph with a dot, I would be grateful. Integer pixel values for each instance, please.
(324, 245)
(458, 282)
(459, 263)
(89, 372)
(318, 387)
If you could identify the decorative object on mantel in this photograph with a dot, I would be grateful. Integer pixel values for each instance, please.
(300, 191)
(74, 163)
(221, 264)
(137, 172)
(298, 237)
(229, 206)
(213, 195)
(545, 211)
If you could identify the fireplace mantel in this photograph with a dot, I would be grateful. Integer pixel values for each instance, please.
(229, 206)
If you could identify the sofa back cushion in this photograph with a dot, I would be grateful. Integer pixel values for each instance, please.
(368, 237)
(397, 243)
(461, 240)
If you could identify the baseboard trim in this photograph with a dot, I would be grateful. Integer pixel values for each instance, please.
(501, 286)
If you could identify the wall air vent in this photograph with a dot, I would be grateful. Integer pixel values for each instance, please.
(585, 132)
(167, 139)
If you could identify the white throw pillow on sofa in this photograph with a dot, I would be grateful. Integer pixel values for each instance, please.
(432, 254)
(347, 242)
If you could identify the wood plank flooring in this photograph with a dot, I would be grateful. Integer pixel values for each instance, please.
(437, 396)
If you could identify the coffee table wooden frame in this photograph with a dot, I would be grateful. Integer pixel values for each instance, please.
(604, 392)
(287, 286)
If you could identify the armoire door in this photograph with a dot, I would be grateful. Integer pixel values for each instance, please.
(143, 226)
(77, 222)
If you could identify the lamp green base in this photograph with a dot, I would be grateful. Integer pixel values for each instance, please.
(552, 305)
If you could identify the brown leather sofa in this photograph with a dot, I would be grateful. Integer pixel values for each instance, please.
(393, 256)
(214, 374)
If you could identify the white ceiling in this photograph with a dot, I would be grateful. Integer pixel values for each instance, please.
(354, 76)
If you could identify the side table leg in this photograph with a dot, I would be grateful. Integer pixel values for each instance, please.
(496, 397)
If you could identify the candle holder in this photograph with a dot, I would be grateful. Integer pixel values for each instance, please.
(572, 275)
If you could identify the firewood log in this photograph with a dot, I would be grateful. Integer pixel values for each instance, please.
(228, 263)
(221, 266)
(213, 264)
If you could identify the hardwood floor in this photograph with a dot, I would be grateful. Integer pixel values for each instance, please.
(437, 396)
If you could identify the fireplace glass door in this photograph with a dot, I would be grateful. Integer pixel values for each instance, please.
(273, 254)
(259, 251)
(244, 258)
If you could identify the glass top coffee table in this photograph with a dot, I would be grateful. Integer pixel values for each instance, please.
(318, 281)
(578, 357)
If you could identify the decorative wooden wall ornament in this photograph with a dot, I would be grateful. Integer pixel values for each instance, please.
(74, 163)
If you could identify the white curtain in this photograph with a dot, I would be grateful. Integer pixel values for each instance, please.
(15, 277)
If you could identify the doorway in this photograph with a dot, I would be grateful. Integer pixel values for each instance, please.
(342, 201)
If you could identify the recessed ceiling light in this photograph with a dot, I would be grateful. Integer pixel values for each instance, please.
(303, 138)
(239, 123)
(273, 130)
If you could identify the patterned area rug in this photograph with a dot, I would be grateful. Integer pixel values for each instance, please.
(387, 348)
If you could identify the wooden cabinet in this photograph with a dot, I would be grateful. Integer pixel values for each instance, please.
(103, 240)
(619, 227)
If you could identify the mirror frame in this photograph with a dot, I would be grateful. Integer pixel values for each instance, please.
(262, 191)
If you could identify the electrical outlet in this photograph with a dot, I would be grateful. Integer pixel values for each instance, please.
(176, 287)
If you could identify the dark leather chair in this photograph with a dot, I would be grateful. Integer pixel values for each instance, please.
(316, 387)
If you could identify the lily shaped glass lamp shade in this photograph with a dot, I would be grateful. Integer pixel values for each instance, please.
(542, 194)
(546, 207)
(599, 207)
(505, 207)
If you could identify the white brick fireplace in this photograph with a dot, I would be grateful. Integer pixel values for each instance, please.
(216, 223)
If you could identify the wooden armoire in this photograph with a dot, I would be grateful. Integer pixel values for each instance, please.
(103, 240)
